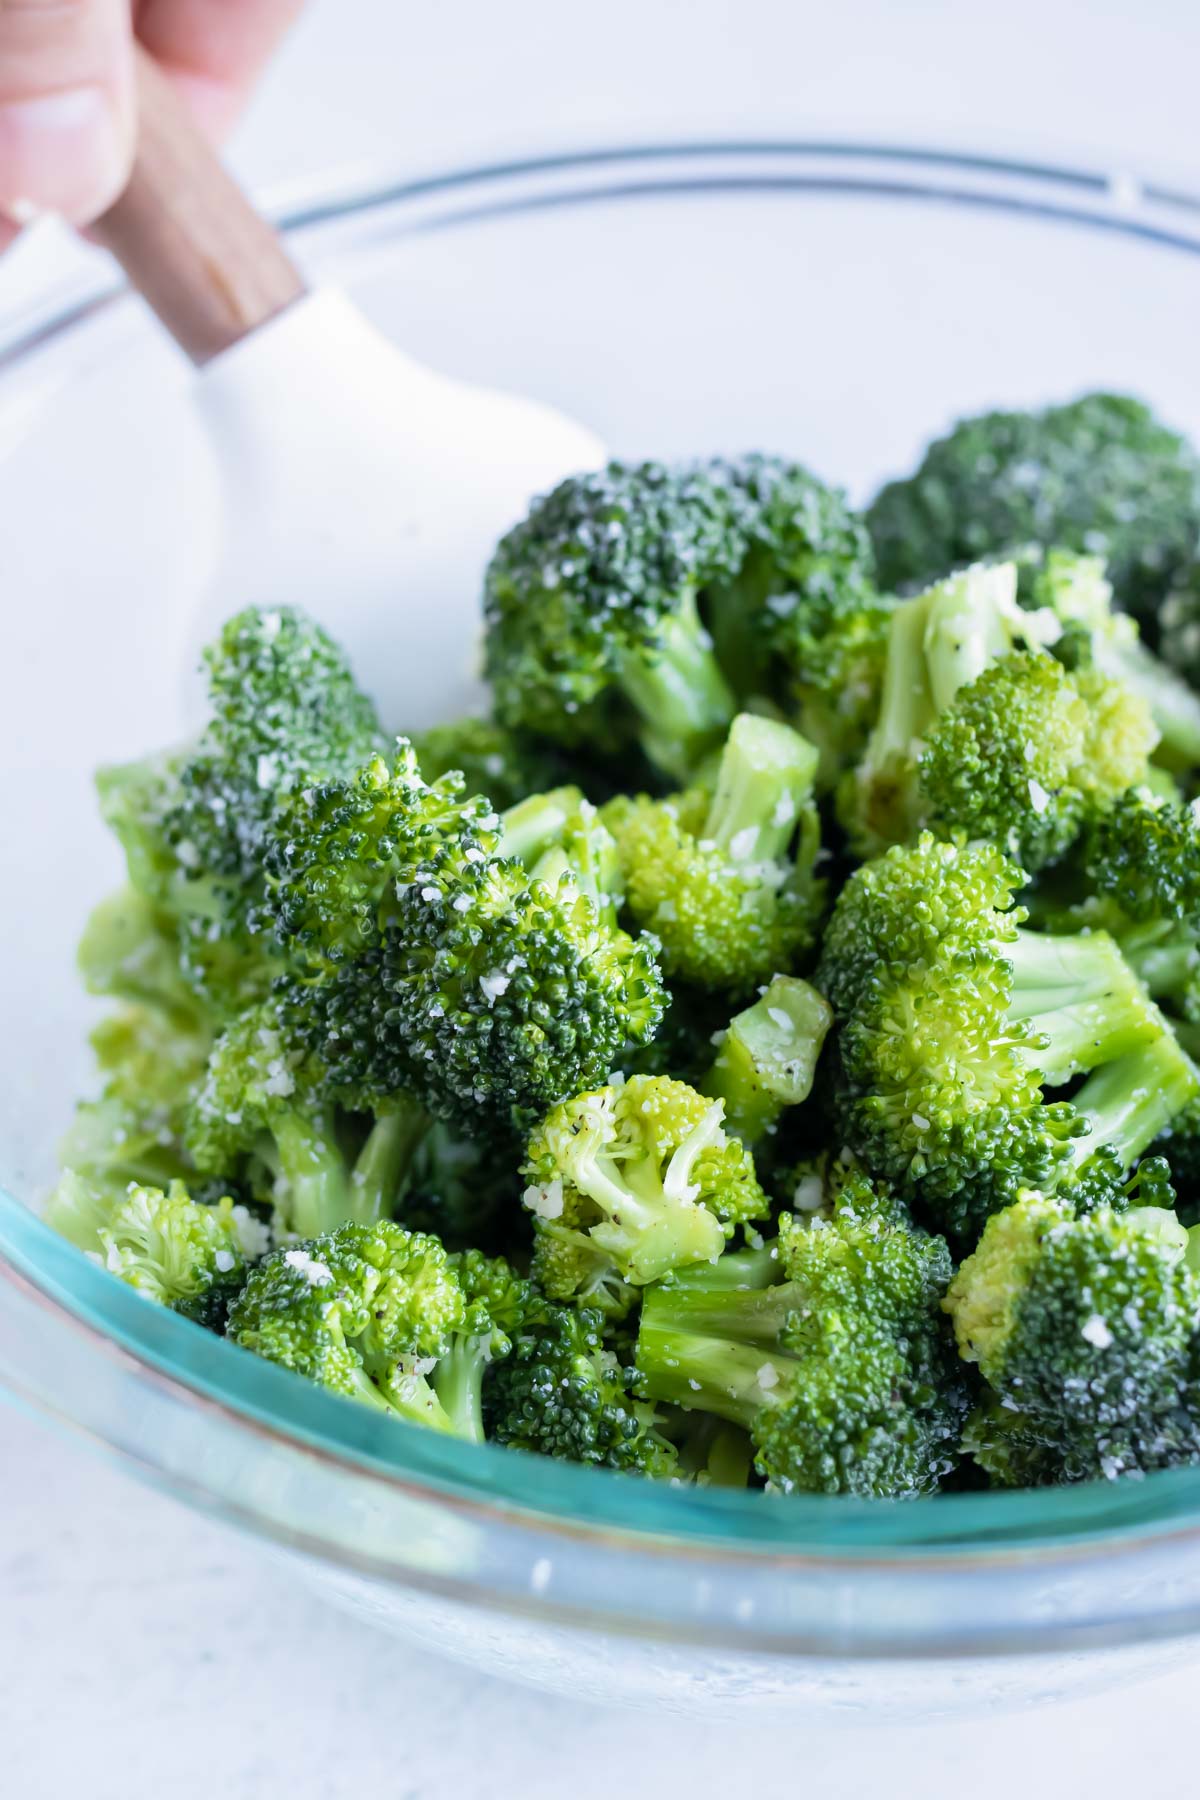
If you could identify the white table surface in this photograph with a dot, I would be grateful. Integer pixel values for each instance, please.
(145, 1652)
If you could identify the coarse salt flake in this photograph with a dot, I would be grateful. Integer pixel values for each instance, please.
(1096, 1331)
(768, 1376)
(317, 1274)
(493, 985)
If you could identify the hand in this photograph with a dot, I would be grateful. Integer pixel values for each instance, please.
(67, 124)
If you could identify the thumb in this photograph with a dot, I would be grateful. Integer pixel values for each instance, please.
(66, 106)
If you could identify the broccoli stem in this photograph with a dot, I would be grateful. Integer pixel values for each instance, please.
(965, 627)
(1128, 1102)
(651, 1222)
(534, 826)
(312, 1171)
(384, 1161)
(768, 1057)
(766, 774)
(458, 1384)
(734, 1270)
(1081, 997)
(684, 1358)
(406, 1392)
(677, 689)
(1164, 956)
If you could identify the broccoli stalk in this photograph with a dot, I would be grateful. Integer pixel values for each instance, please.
(839, 1373)
(682, 700)
(768, 1057)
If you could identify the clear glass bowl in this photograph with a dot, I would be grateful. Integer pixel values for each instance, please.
(835, 301)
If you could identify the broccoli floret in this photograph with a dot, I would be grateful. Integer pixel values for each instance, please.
(196, 824)
(487, 992)
(842, 1373)
(175, 1251)
(834, 696)
(718, 881)
(1145, 854)
(1099, 474)
(369, 1311)
(631, 1181)
(938, 644)
(563, 1393)
(952, 1019)
(505, 766)
(597, 604)
(805, 574)
(1085, 1331)
(263, 1098)
(499, 1304)
(768, 1056)
(1027, 753)
(151, 1067)
(594, 636)
(1078, 592)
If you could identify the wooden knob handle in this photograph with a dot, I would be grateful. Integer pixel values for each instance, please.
(188, 238)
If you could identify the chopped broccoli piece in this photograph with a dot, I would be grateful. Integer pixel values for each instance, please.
(1099, 474)
(1084, 1330)
(768, 1057)
(842, 1373)
(368, 1311)
(952, 1018)
(629, 1182)
(718, 881)
(562, 1392)
(596, 604)
(173, 1250)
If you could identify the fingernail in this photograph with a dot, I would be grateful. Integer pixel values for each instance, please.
(66, 152)
(22, 212)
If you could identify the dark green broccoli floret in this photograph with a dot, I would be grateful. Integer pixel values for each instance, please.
(196, 825)
(175, 1251)
(597, 604)
(563, 1393)
(767, 1057)
(728, 884)
(842, 1373)
(1085, 1331)
(499, 1305)
(1099, 474)
(1145, 854)
(952, 1019)
(440, 967)
(593, 630)
(631, 1181)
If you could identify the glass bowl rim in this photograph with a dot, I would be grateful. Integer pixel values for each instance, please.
(776, 1531)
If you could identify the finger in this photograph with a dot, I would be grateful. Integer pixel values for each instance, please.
(66, 106)
(214, 48)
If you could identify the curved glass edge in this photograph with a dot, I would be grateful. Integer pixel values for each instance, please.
(506, 1482)
(1109, 200)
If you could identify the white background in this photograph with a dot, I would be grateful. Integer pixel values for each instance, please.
(144, 1652)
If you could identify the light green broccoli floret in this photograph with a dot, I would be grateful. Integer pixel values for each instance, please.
(728, 885)
(174, 1251)
(631, 1181)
